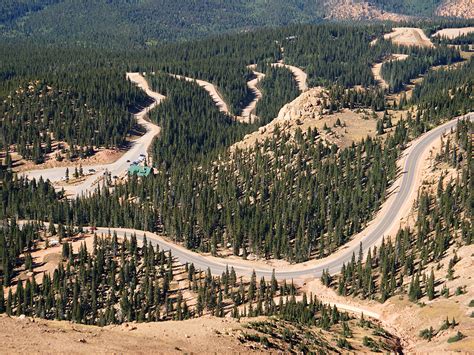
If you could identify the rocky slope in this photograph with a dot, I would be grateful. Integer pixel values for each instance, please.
(359, 10)
(456, 8)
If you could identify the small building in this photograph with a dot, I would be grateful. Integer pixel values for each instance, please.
(139, 171)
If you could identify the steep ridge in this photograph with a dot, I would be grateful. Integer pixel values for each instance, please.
(359, 10)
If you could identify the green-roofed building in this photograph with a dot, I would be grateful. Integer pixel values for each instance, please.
(138, 170)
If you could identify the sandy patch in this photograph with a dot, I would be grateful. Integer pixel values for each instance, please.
(102, 156)
(201, 335)
(409, 36)
(452, 33)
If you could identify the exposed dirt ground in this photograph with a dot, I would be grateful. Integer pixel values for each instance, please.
(201, 335)
(248, 112)
(409, 36)
(102, 156)
(306, 112)
(454, 32)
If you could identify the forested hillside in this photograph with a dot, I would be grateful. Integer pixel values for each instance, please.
(144, 23)
(278, 88)
(399, 73)
(408, 7)
(82, 99)
(444, 220)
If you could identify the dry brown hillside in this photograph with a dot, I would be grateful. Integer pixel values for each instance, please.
(361, 10)
(456, 8)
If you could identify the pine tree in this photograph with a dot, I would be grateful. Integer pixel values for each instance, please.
(430, 291)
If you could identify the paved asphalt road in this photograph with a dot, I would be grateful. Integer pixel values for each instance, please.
(414, 155)
(120, 166)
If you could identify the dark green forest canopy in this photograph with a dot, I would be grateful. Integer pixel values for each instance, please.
(148, 22)
(408, 7)
(79, 96)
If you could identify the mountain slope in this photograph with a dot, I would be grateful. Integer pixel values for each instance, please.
(456, 8)
(119, 22)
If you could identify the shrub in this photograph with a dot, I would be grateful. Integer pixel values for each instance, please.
(427, 333)
(343, 343)
(456, 338)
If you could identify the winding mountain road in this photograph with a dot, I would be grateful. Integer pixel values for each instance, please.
(401, 199)
(247, 112)
(393, 209)
(120, 166)
(300, 76)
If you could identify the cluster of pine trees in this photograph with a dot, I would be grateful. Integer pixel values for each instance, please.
(121, 281)
(334, 53)
(445, 93)
(13, 243)
(399, 73)
(340, 97)
(278, 88)
(443, 219)
(88, 103)
(80, 100)
(192, 126)
(259, 204)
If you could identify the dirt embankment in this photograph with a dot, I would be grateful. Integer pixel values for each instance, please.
(248, 112)
(306, 111)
